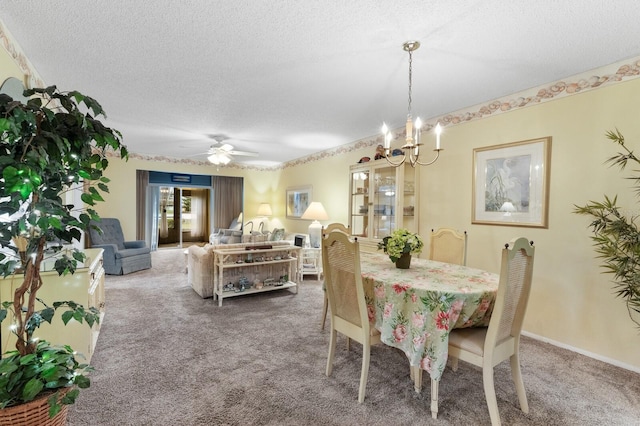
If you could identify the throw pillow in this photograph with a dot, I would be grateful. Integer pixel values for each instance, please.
(236, 224)
(277, 234)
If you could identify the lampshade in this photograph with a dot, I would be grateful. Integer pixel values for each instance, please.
(508, 207)
(264, 209)
(315, 212)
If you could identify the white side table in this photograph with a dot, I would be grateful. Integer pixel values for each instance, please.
(311, 263)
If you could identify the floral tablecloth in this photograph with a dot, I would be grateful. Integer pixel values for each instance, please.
(416, 308)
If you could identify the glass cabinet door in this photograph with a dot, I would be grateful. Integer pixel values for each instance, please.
(384, 202)
(383, 198)
(360, 202)
(409, 201)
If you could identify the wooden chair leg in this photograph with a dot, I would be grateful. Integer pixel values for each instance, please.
(325, 308)
(490, 394)
(517, 380)
(366, 356)
(332, 351)
(454, 363)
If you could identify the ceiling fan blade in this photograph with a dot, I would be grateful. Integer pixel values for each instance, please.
(245, 153)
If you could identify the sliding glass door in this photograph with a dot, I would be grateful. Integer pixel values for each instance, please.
(177, 209)
(183, 216)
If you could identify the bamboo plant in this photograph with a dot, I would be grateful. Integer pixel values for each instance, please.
(616, 236)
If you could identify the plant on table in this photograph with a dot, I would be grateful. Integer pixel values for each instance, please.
(400, 242)
(51, 145)
(616, 237)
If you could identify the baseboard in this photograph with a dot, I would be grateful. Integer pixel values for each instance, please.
(583, 352)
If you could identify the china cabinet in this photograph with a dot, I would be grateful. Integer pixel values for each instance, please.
(243, 271)
(382, 199)
(85, 286)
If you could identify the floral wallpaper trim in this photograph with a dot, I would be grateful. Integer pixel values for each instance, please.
(31, 78)
(191, 162)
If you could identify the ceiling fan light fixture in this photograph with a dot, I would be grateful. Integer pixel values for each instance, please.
(222, 153)
(219, 158)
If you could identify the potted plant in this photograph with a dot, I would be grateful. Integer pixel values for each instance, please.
(48, 146)
(400, 245)
(616, 236)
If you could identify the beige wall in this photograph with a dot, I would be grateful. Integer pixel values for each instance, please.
(329, 180)
(572, 303)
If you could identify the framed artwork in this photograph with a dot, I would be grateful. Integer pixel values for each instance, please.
(511, 184)
(298, 199)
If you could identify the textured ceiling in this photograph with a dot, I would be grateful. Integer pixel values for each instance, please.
(291, 78)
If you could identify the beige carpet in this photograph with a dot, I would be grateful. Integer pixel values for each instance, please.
(167, 357)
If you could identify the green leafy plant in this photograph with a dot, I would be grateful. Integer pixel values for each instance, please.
(616, 237)
(51, 145)
(23, 377)
(401, 241)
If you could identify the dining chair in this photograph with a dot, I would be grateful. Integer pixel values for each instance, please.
(336, 226)
(325, 231)
(346, 294)
(448, 245)
(487, 347)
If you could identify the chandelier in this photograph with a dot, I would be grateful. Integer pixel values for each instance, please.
(411, 148)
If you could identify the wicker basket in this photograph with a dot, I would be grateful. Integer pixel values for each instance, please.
(34, 412)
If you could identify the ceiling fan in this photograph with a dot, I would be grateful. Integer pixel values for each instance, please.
(222, 152)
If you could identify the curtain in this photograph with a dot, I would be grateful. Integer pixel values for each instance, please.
(152, 222)
(227, 200)
(199, 213)
(164, 200)
(142, 182)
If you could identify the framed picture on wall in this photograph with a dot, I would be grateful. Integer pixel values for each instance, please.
(511, 184)
(298, 199)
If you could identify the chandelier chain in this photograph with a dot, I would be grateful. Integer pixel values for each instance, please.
(410, 82)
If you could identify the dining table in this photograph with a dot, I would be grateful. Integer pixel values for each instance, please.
(415, 309)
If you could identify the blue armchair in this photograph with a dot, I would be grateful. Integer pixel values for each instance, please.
(120, 256)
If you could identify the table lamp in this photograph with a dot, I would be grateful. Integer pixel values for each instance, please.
(315, 212)
(264, 210)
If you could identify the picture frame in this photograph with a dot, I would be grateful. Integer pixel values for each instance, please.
(511, 184)
(297, 201)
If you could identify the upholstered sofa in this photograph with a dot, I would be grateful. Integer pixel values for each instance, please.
(200, 262)
(120, 257)
(230, 235)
